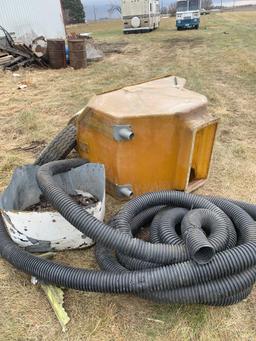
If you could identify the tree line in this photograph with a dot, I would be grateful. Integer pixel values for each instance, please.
(73, 11)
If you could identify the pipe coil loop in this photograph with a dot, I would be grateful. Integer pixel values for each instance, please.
(196, 250)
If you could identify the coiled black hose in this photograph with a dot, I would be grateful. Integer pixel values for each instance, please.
(201, 249)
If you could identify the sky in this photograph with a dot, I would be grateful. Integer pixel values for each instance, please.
(100, 7)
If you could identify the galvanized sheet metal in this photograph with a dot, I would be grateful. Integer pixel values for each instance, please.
(32, 18)
(49, 231)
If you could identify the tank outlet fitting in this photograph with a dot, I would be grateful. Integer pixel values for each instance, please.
(123, 133)
(124, 191)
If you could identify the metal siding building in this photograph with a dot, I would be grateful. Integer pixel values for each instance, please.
(29, 19)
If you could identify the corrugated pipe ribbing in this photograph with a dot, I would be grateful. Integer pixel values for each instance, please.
(197, 250)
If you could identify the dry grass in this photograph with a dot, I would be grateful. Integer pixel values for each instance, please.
(217, 64)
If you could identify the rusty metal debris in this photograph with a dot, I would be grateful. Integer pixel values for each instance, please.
(47, 53)
(94, 52)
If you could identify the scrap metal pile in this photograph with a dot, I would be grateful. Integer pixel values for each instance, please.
(55, 53)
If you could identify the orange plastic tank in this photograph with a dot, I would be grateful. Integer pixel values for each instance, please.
(152, 136)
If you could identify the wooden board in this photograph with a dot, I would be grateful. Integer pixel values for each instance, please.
(6, 59)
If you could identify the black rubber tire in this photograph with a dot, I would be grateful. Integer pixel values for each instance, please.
(59, 147)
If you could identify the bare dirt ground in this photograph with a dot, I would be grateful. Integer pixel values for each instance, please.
(218, 61)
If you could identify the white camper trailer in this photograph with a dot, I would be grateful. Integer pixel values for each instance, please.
(140, 15)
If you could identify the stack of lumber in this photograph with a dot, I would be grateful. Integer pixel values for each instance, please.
(5, 59)
(19, 55)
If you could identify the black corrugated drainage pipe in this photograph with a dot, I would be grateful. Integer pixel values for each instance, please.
(199, 249)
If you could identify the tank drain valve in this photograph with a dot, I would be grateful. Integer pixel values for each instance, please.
(125, 191)
(123, 132)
